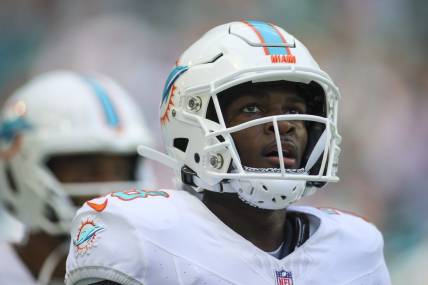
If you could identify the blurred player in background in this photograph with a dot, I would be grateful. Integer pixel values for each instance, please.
(64, 138)
(249, 121)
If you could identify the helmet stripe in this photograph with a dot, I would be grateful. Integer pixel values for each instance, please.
(110, 113)
(262, 40)
(167, 95)
(268, 34)
(172, 77)
(282, 38)
(9, 129)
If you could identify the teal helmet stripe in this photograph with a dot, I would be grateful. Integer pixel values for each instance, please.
(172, 77)
(10, 128)
(111, 115)
(270, 36)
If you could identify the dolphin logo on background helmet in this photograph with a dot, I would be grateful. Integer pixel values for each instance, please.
(202, 149)
(57, 113)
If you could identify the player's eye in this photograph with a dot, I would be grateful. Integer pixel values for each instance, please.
(294, 112)
(251, 109)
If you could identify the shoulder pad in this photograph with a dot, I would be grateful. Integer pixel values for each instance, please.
(345, 241)
(107, 233)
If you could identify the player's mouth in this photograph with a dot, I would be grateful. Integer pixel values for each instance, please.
(288, 153)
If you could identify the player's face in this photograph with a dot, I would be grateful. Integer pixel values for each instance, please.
(257, 145)
(93, 168)
(86, 168)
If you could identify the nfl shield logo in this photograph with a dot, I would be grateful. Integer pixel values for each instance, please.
(284, 277)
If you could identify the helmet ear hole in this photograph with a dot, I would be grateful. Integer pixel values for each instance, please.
(197, 157)
(211, 113)
(181, 143)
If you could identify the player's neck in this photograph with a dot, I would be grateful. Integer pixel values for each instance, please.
(35, 251)
(263, 228)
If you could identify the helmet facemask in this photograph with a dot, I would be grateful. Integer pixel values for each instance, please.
(254, 184)
(205, 155)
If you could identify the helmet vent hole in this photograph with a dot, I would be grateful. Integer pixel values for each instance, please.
(197, 158)
(252, 191)
(181, 143)
(274, 200)
(215, 58)
(260, 202)
(51, 214)
(264, 187)
(10, 208)
(220, 138)
(283, 197)
(211, 112)
(11, 180)
(294, 189)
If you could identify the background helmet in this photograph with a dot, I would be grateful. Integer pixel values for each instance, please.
(226, 56)
(62, 113)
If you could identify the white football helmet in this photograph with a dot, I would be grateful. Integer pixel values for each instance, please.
(62, 113)
(202, 150)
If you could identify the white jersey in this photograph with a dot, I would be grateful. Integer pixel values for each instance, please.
(169, 237)
(12, 270)
(11, 229)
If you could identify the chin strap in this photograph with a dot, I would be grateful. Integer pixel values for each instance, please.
(189, 177)
(317, 151)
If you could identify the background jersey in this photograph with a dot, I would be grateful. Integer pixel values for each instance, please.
(170, 237)
(12, 270)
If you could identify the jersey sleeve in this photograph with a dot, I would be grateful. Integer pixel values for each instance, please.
(379, 276)
(365, 246)
(104, 246)
(354, 245)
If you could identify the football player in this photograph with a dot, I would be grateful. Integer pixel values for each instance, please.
(249, 121)
(64, 138)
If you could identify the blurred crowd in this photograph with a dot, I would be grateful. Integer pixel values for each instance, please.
(375, 52)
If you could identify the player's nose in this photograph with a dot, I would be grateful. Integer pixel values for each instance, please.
(284, 127)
